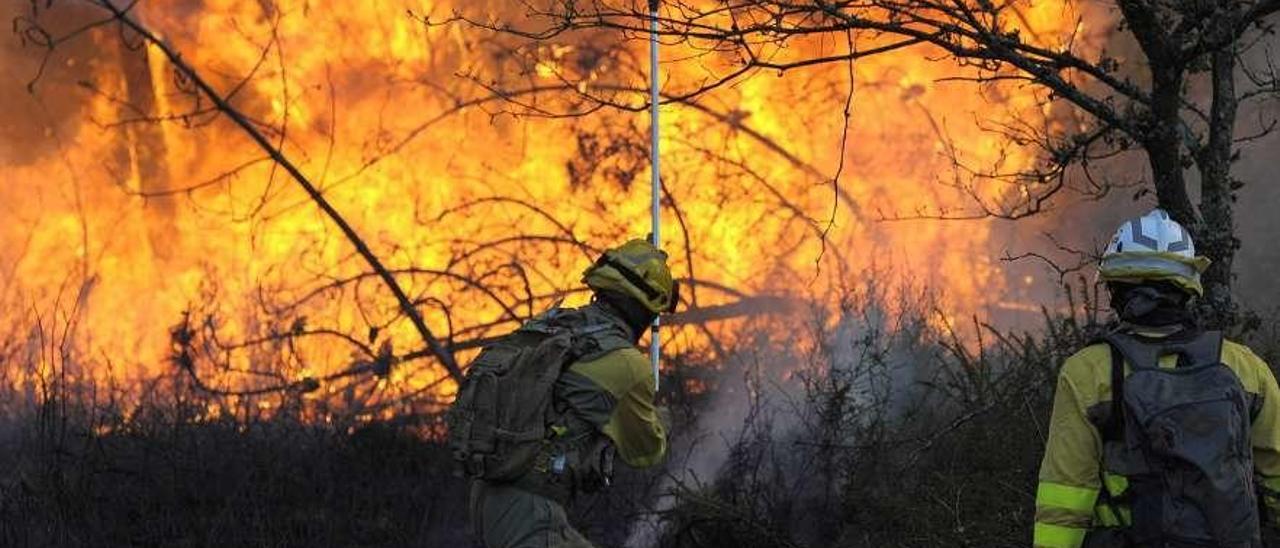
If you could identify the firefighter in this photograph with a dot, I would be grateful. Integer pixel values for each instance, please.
(603, 403)
(1163, 434)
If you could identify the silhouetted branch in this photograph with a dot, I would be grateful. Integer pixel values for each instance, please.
(437, 349)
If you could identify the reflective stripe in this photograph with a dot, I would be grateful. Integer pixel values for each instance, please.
(1107, 516)
(1115, 514)
(1079, 499)
(1154, 262)
(1056, 536)
(1271, 496)
(1116, 484)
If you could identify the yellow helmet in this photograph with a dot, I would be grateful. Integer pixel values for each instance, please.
(639, 270)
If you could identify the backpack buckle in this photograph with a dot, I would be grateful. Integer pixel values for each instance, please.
(475, 465)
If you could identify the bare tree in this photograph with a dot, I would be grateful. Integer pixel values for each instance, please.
(296, 342)
(1176, 102)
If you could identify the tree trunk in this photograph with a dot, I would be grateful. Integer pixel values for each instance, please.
(1158, 130)
(1164, 145)
(1215, 235)
(1161, 133)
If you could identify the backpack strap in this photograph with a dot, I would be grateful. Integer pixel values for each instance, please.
(1123, 348)
(1199, 348)
(1203, 349)
(600, 334)
(1113, 430)
(1140, 353)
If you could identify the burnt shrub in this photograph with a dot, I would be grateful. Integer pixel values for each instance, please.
(897, 432)
(896, 427)
(225, 483)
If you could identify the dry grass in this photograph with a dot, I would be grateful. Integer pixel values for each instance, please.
(891, 433)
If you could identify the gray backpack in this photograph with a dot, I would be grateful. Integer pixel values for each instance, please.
(1182, 438)
(500, 420)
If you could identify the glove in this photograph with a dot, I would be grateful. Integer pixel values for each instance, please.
(597, 469)
(664, 417)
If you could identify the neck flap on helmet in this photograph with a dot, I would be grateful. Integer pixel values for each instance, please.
(629, 310)
(1153, 304)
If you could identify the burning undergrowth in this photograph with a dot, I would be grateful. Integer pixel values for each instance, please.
(750, 416)
(873, 423)
(191, 351)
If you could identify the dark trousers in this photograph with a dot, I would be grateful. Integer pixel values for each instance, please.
(505, 516)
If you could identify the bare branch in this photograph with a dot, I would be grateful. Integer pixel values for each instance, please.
(438, 350)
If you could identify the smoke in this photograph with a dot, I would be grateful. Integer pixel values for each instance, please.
(1257, 222)
(1075, 228)
(39, 87)
(777, 390)
(701, 449)
(1070, 233)
(747, 397)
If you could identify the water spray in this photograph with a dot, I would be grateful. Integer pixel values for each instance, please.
(655, 347)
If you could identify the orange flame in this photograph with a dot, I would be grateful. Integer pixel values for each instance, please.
(129, 203)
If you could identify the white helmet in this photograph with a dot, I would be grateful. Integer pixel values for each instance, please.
(1153, 247)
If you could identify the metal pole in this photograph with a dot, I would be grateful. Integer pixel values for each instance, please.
(655, 347)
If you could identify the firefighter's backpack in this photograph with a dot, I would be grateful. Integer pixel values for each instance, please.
(1181, 437)
(501, 417)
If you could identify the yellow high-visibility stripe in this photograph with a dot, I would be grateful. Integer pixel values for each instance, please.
(1271, 496)
(1107, 516)
(1116, 483)
(1079, 499)
(1048, 535)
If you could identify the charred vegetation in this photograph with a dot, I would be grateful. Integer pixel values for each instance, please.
(267, 268)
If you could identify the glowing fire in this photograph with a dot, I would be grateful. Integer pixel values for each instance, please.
(123, 209)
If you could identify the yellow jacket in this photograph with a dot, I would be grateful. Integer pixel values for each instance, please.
(613, 392)
(618, 390)
(1071, 475)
